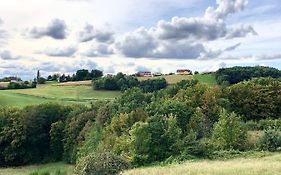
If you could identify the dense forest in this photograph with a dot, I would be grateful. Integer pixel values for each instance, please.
(183, 121)
(237, 74)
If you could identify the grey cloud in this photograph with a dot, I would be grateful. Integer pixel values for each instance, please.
(89, 33)
(183, 38)
(60, 52)
(137, 44)
(232, 47)
(56, 29)
(7, 55)
(191, 28)
(99, 50)
(240, 31)
(269, 57)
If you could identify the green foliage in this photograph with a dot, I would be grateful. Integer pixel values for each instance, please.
(152, 85)
(229, 132)
(256, 99)
(25, 135)
(123, 82)
(237, 74)
(118, 82)
(101, 163)
(74, 135)
(92, 141)
(21, 85)
(56, 140)
(41, 80)
(271, 140)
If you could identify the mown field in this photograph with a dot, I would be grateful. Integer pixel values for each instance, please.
(263, 165)
(52, 92)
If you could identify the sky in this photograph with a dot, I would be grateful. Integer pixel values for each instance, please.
(62, 36)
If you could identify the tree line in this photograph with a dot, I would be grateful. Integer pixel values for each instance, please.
(80, 75)
(123, 82)
(237, 74)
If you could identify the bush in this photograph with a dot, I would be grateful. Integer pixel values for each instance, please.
(229, 132)
(271, 140)
(103, 163)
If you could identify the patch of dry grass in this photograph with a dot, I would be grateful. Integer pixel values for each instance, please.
(270, 165)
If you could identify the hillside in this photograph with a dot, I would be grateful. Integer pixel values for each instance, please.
(67, 93)
(77, 92)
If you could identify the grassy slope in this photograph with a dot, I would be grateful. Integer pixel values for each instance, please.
(270, 165)
(53, 93)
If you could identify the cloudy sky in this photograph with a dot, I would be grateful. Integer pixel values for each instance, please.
(135, 35)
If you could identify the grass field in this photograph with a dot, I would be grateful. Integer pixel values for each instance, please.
(208, 79)
(260, 164)
(51, 92)
(52, 168)
(269, 165)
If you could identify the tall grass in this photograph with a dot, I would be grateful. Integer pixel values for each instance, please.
(270, 165)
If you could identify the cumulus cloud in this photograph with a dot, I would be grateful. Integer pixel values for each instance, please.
(225, 8)
(60, 52)
(184, 38)
(90, 33)
(99, 50)
(56, 29)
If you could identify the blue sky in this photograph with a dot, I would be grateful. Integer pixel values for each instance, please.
(61, 36)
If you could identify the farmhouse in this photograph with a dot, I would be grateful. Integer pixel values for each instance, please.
(144, 74)
(157, 74)
(184, 72)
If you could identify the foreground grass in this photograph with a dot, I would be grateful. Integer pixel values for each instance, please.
(26, 170)
(53, 93)
(270, 165)
(258, 163)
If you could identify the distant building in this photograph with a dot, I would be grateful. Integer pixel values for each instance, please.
(184, 72)
(144, 74)
(157, 74)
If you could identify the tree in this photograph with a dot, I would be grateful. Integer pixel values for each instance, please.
(95, 74)
(229, 132)
(82, 74)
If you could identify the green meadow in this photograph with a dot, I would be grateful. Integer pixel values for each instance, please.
(51, 92)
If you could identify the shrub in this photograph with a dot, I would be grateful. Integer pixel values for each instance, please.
(271, 140)
(102, 163)
(229, 132)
